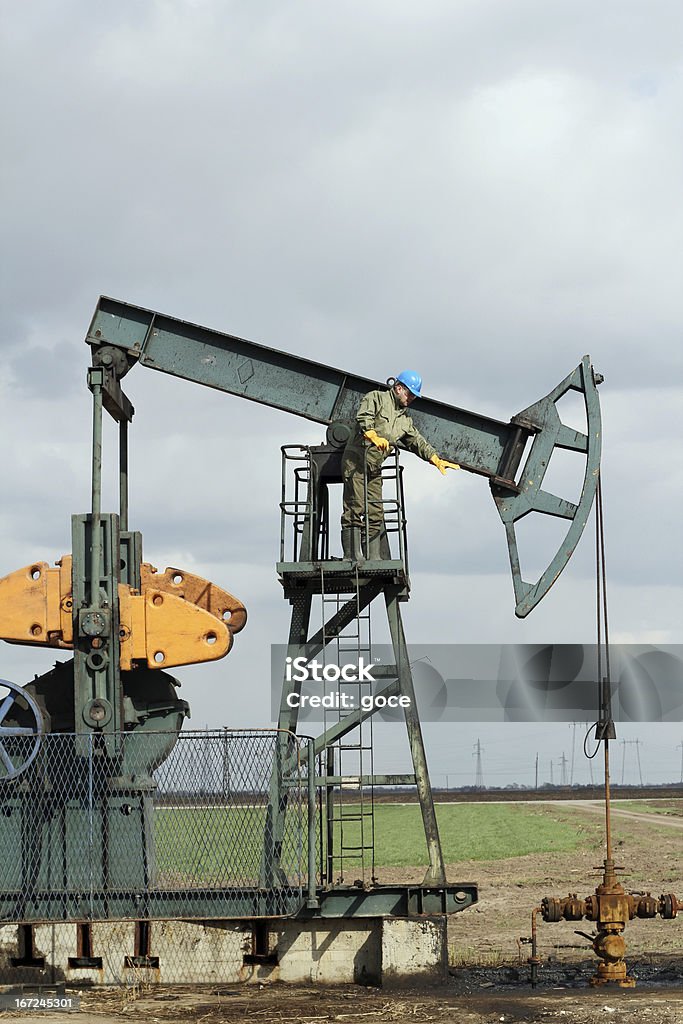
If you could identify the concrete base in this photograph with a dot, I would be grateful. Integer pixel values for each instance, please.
(369, 951)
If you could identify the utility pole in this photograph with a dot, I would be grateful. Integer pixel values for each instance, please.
(563, 773)
(479, 777)
(636, 743)
(552, 783)
(681, 748)
(536, 782)
(571, 774)
(640, 771)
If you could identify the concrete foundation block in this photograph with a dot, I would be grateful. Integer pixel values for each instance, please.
(414, 950)
(202, 952)
(340, 951)
(112, 943)
(11, 951)
(330, 952)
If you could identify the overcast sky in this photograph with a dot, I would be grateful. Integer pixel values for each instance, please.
(484, 190)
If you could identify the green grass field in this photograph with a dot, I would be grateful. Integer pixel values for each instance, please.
(209, 845)
(469, 832)
(213, 844)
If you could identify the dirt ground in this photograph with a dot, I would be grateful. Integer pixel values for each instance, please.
(491, 1002)
(489, 974)
(648, 846)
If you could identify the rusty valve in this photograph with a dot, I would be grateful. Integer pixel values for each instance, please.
(610, 907)
(601, 906)
(555, 908)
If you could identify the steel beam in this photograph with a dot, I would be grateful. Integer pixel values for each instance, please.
(479, 444)
(296, 385)
(237, 903)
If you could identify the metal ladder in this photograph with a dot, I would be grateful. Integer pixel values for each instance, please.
(350, 805)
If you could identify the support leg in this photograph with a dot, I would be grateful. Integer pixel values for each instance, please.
(436, 874)
(271, 871)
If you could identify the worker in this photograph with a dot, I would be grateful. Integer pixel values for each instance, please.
(382, 420)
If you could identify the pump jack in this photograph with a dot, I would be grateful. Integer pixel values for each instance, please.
(127, 623)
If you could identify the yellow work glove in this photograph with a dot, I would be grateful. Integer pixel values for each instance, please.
(379, 442)
(442, 465)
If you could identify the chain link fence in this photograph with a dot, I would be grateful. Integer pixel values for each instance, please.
(154, 825)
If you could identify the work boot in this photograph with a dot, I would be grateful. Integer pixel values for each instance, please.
(378, 547)
(351, 543)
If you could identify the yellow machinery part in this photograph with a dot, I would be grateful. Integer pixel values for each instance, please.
(178, 619)
(36, 605)
(165, 631)
(197, 591)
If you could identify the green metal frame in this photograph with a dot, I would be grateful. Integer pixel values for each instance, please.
(302, 580)
(245, 903)
(106, 553)
(550, 434)
(98, 698)
(480, 444)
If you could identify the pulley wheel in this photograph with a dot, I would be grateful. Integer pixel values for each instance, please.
(21, 729)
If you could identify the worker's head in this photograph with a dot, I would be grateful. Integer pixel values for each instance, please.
(407, 386)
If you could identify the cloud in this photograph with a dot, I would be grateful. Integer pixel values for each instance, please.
(484, 191)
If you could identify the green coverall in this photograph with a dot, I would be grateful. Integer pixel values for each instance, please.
(380, 411)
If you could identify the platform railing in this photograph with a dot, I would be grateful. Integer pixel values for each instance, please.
(307, 532)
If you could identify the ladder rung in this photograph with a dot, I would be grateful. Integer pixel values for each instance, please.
(354, 817)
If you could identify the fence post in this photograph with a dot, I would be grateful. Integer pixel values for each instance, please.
(312, 902)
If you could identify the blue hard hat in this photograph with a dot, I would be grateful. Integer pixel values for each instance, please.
(411, 380)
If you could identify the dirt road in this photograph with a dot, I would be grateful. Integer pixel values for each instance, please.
(597, 807)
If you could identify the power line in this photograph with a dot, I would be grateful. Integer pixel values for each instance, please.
(636, 743)
(563, 772)
(478, 778)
